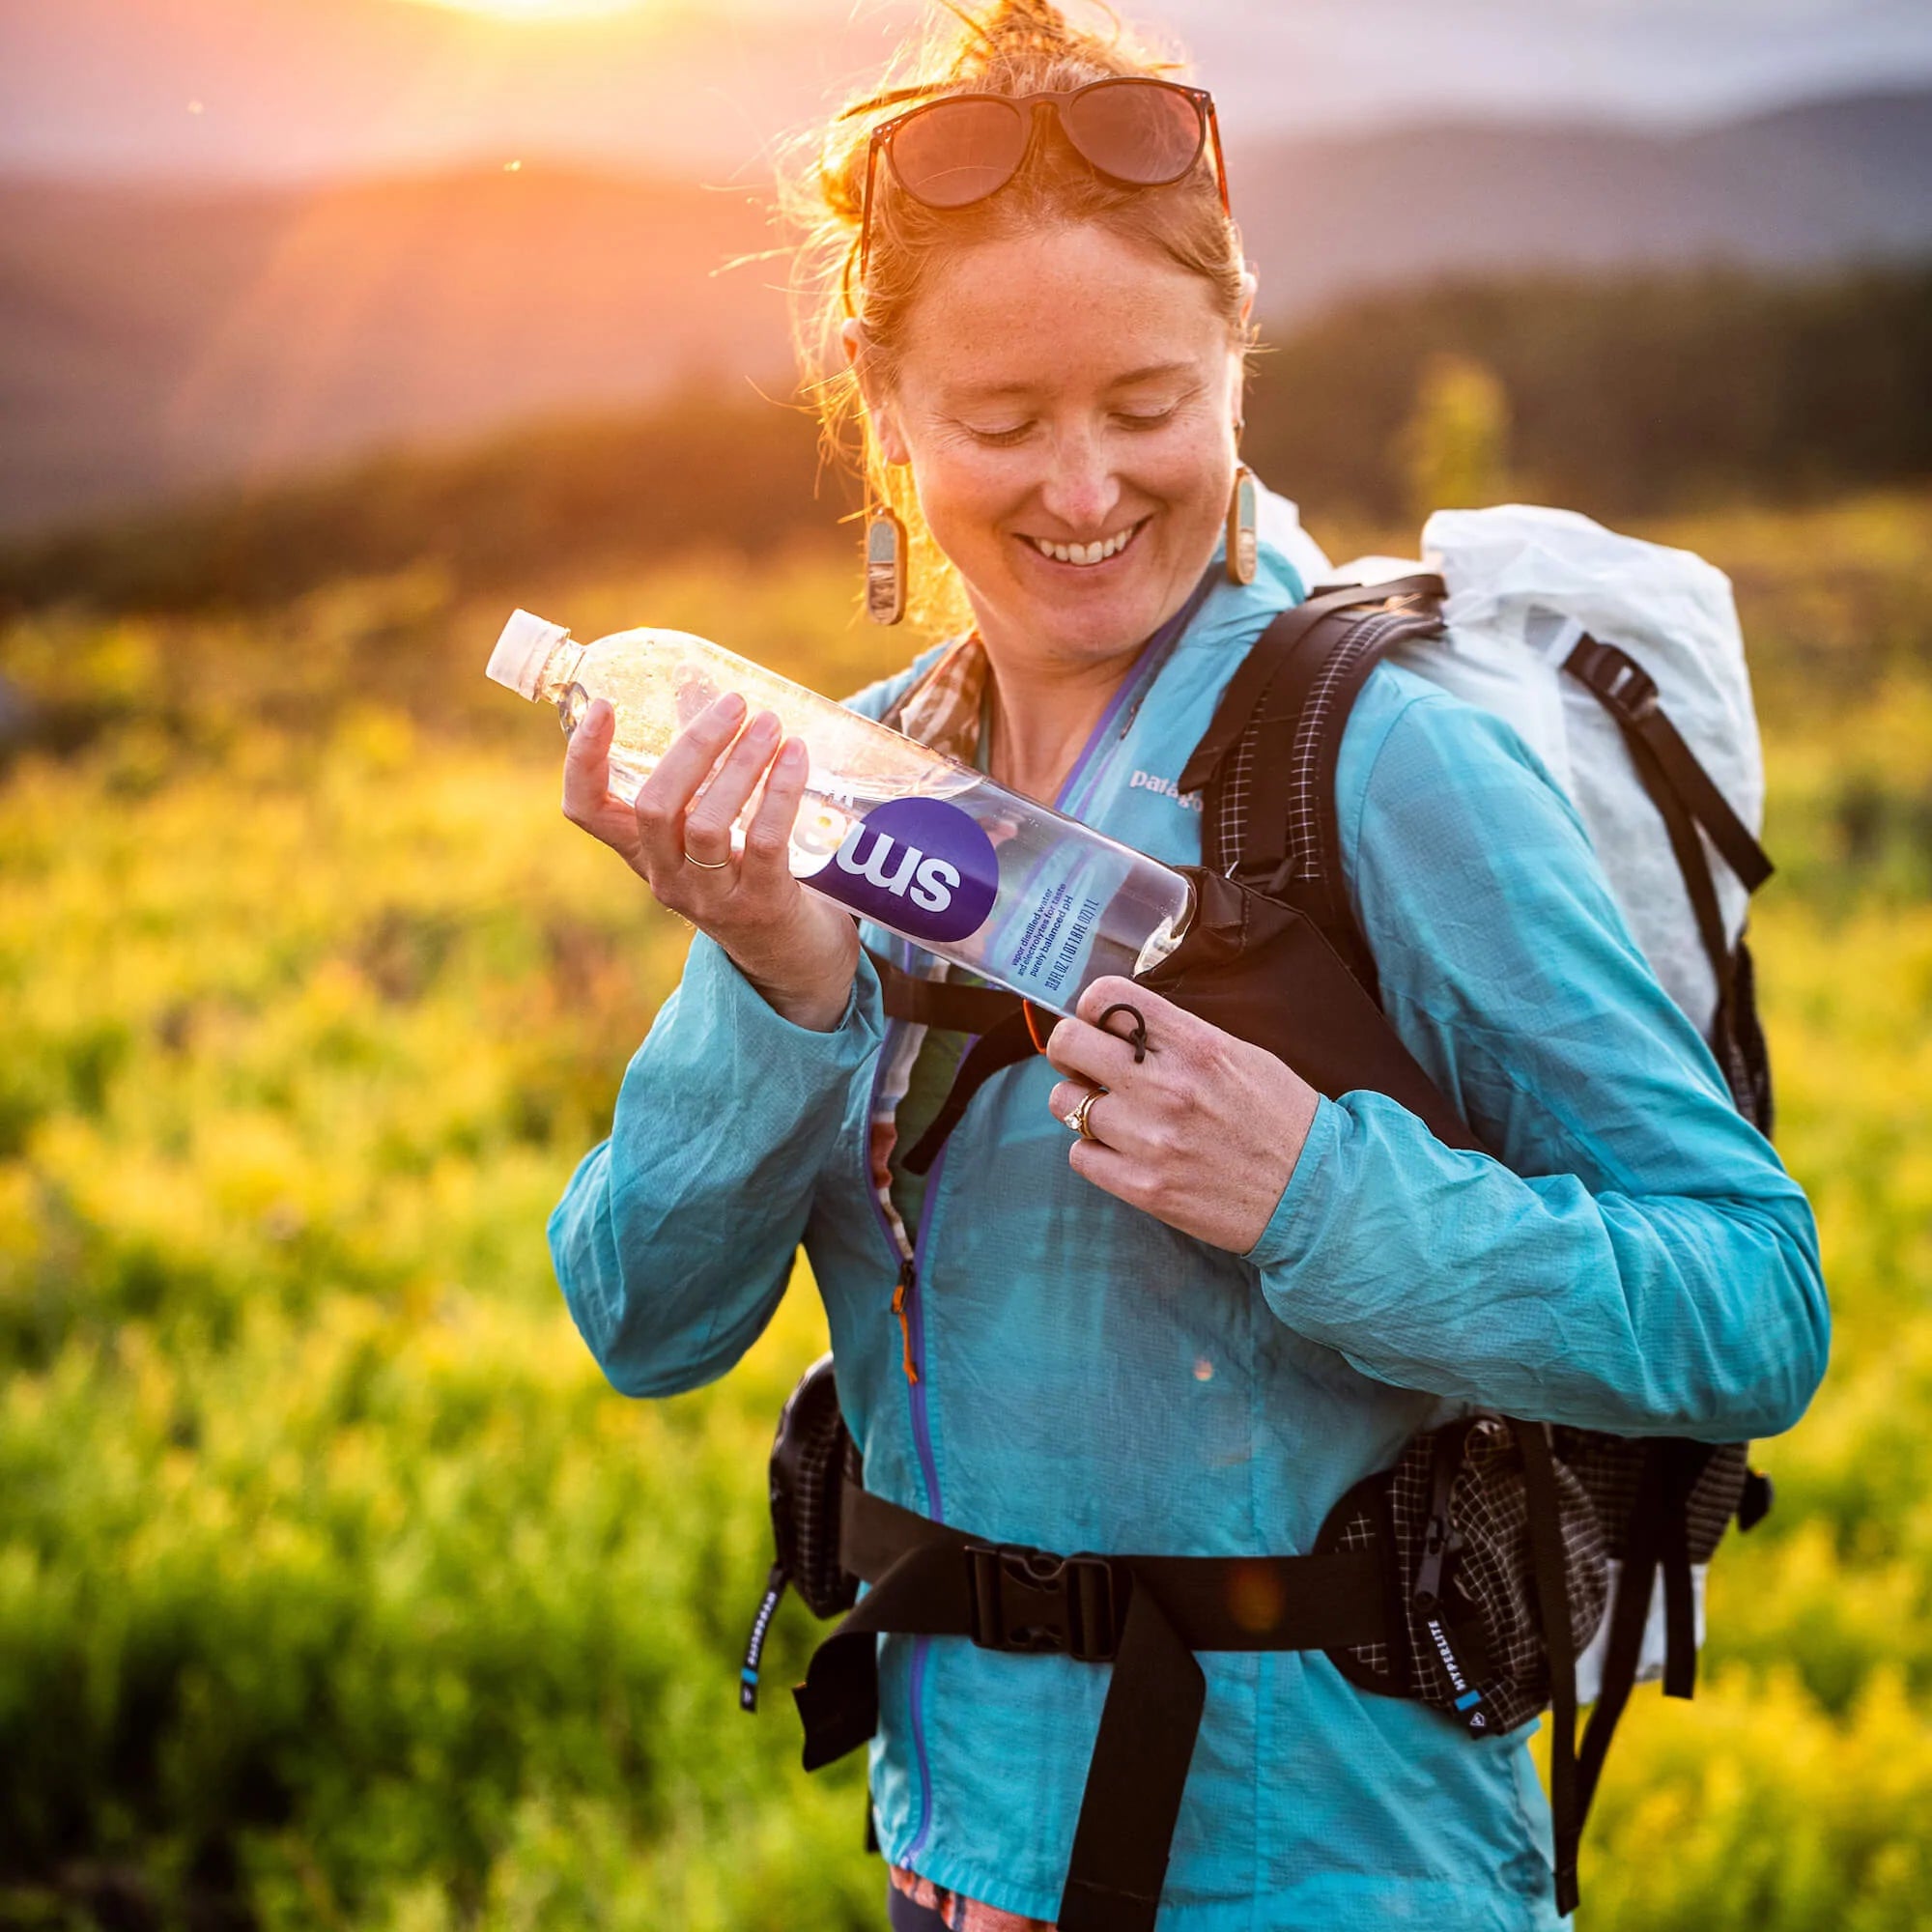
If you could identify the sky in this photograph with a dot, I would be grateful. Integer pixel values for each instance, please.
(267, 89)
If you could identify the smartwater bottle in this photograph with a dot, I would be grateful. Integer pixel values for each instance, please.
(887, 828)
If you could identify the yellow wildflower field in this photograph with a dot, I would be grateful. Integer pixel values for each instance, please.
(335, 1587)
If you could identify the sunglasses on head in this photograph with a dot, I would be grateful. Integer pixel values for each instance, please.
(960, 149)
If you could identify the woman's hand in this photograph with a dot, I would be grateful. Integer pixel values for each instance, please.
(1203, 1133)
(798, 950)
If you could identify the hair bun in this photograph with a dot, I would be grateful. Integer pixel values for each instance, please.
(1024, 26)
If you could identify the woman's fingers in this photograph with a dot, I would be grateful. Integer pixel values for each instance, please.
(767, 837)
(1203, 1134)
(1159, 1013)
(586, 765)
(1084, 1052)
(1068, 1095)
(1105, 1056)
(709, 817)
(1120, 1173)
(665, 796)
(587, 799)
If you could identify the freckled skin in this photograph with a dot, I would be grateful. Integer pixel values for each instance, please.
(1018, 404)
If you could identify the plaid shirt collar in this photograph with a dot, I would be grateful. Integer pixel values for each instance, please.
(943, 708)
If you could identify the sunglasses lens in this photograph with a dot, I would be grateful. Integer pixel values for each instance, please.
(958, 152)
(1135, 130)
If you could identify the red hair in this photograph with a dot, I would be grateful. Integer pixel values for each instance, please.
(1013, 48)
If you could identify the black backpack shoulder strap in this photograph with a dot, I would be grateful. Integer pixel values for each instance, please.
(1266, 767)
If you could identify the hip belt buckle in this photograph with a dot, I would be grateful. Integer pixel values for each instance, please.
(1028, 1600)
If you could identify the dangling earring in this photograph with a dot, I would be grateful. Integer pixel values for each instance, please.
(885, 565)
(1243, 508)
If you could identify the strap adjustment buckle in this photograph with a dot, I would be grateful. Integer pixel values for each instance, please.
(1030, 1600)
(1627, 690)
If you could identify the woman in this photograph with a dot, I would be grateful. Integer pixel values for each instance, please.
(1193, 1330)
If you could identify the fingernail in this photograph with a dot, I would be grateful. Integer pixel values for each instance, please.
(766, 724)
(730, 705)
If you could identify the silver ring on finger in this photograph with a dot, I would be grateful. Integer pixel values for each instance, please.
(1077, 1118)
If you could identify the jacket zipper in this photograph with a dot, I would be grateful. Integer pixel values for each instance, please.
(905, 1302)
(908, 1279)
(905, 1308)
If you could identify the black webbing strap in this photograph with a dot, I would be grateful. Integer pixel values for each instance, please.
(1551, 1564)
(1148, 1721)
(1687, 799)
(1656, 1542)
(1684, 1462)
(1630, 1616)
(995, 1015)
(940, 1003)
(1689, 851)
(1730, 1022)
(1003, 1045)
(1146, 1615)
(1628, 694)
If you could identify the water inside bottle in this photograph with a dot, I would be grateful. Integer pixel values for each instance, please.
(901, 834)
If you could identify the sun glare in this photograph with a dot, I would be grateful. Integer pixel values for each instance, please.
(539, 10)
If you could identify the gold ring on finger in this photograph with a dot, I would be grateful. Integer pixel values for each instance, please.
(1077, 1119)
(707, 865)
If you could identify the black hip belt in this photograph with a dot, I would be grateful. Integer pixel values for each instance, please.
(1145, 1615)
(1469, 1576)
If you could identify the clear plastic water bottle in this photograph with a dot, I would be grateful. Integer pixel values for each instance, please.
(887, 828)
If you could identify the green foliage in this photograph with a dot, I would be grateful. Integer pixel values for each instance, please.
(1456, 445)
(1631, 394)
(336, 1589)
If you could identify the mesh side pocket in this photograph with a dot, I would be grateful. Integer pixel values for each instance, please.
(1611, 1470)
(812, 1458)
(1488, 1593)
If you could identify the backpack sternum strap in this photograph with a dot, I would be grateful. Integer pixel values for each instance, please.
(941, 1003)
(1007, 1044)
(1004, 1034)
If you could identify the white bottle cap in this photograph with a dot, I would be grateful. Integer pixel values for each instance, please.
(523, 651)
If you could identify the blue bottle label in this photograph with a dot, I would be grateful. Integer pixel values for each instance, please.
(918, 865)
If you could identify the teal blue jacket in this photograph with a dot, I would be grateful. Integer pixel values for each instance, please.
(1638, 1261)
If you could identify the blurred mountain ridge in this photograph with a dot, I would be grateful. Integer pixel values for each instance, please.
(160, 339)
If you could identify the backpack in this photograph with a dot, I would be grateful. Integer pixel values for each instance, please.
(1498, 1567)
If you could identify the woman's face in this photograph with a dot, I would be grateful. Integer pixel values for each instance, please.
(1067, 404)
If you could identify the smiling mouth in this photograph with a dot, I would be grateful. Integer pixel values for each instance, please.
(1084, 556)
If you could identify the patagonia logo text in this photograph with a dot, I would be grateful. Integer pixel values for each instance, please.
(1188, 801)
